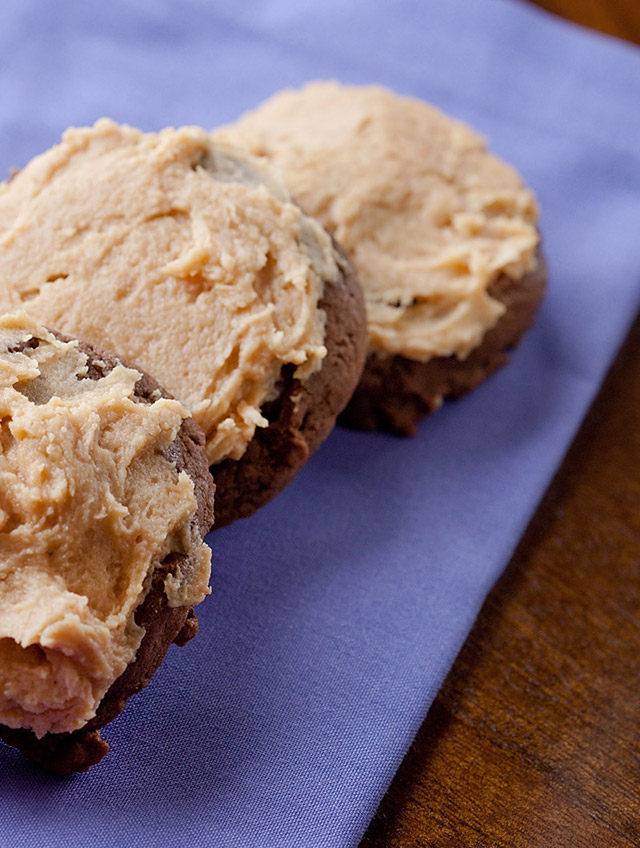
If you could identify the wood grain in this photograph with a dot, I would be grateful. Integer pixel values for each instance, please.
(534, 740)
(614, 17)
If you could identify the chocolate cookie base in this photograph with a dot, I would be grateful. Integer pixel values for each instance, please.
(66, 753)
(395, 392)
(304, 413)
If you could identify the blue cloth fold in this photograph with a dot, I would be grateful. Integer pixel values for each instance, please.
(338, 609)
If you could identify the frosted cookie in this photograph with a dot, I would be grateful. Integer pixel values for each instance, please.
(104, 501)
(190, 260)
(443, 236)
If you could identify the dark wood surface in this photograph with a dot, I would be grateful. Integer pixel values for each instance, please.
(534, 740)
(614, 17)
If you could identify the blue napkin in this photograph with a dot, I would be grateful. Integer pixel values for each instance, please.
(338, 609)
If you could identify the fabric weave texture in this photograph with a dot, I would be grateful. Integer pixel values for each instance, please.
(338, 609)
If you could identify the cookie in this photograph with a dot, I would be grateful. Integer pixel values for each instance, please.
(106, 496)
(443, 236)
(396, 392)
(189, 259)
(304, 411)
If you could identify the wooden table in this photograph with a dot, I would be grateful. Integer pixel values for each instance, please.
(534, 740)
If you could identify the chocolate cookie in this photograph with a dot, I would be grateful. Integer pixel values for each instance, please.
(304, 412)
(442, 233)
(151, 617)
(190, 259)
(395, 392)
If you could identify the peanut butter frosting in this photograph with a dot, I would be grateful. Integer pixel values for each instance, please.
(89, 506)
(429, 217)
(185, 257)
